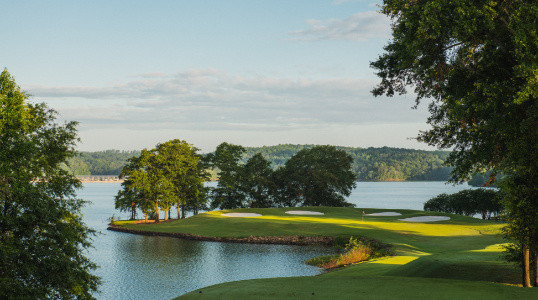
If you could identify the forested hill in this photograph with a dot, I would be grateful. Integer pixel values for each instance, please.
(369, 163)
(108, 162)
(373, 163)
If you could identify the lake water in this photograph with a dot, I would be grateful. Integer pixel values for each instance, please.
(143, 267)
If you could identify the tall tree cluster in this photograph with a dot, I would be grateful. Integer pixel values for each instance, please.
(42, 235)
(170, 175)
(316, 176)
(477, 62)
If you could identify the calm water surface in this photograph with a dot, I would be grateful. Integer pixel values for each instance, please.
(142, 267)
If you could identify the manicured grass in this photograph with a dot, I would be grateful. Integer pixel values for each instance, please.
(124, 222)
(455, 258)
(354, 287)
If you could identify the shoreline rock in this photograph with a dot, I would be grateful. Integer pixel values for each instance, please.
(276, 240)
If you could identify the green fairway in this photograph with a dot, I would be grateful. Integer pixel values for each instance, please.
(459, 257)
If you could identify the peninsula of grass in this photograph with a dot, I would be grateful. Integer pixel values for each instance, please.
(457, 258)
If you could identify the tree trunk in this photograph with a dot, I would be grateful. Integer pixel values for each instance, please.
(526, 267)
(146, 217)
(178, 212)
(183, 211)
(156, 212)
(165, 215)
(535, 283)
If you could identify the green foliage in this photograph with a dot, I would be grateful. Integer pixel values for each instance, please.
(170, 174)
(228, 192)
(521, 230)
(475, 61)
(257, 182)
(317, 176)
(486, 202)
(478, 62)
(368, 164)
(357, 250)
(314, 176)
(480, 180)
(42, 234)
(187, 172)
(372, 163)
(76, 166)
(353, 244)
(114, 219)
(340, 241)
(108, 162)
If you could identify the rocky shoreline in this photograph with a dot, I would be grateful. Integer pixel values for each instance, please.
(277, 240)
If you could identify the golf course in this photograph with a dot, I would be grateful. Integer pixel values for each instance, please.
(458, 258)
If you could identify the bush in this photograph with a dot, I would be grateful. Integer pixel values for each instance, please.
(357, 250)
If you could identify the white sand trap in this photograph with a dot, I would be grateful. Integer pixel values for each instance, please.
(304, 212)
(241, 215)
(426, 219)
(385, 214)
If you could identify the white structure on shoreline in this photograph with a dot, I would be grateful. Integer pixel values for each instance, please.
(98, 177)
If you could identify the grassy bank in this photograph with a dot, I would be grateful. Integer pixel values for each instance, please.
(454, 258)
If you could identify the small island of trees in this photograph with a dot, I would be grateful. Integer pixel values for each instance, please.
(172, 175)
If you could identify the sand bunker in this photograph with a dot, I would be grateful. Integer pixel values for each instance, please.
(426, 219)
(241, 215)
(304, 212)
(385, 214)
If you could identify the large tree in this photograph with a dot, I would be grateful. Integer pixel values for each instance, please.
(318, 176)
(256, 183)
(477, 63)
(42, 234)
(228, 194)
(146, 178)
(171, 174)
(184, 168)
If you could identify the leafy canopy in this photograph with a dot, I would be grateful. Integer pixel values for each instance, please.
(477, 61)
(42, 234)
(318, 176)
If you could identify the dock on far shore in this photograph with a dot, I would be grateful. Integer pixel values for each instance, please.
(99, 178)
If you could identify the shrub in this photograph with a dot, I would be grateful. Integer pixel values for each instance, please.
(357, 250)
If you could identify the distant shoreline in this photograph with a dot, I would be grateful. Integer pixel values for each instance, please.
(100, 181)
(361, 180)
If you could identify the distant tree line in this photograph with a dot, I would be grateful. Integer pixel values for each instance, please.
(108, 162)
(368, 164)
(172, 175)
(486, 202)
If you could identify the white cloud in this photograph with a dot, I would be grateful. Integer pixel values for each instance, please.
(210, 99)
(359, 27)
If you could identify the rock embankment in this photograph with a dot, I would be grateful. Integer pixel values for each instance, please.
(279, 240)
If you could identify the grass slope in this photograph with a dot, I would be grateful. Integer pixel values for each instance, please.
(454, 258)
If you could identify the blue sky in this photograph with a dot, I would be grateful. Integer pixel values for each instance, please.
(135, 73)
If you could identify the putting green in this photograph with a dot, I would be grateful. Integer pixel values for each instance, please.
(459, 257)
